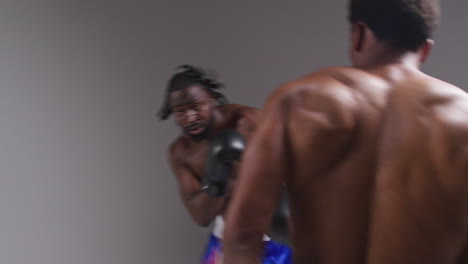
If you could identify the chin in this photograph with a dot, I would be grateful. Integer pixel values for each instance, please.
(198, 137)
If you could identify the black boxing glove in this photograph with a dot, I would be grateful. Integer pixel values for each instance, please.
(279, 229)
(224, 149)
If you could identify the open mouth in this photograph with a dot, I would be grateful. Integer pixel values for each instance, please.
(195, 129)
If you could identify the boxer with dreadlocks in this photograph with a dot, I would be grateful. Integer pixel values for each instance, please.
(204, 157)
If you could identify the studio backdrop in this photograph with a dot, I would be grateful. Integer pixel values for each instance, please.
(84, 177)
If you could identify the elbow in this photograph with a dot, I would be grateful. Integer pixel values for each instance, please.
(239, 237)
(200, 215)
(202, 220)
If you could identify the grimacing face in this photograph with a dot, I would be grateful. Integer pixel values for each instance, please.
(193, 109)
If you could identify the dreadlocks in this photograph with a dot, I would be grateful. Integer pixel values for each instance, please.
(189, 76)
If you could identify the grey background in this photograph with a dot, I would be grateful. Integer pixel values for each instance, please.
(83, 171)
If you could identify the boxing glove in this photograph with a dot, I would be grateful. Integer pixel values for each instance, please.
(224, 150)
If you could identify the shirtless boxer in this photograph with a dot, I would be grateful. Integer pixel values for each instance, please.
(375, 156)
(208, 124)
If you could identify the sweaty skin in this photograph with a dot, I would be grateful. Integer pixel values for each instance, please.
(376, 165)
(188, 158)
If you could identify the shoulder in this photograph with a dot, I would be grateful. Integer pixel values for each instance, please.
(239, 113)
(444, 111)
(330, 83)
(242, 117)
(238, 110)
(443, 103)
(326, 92)
(447, 106)
(438, 110)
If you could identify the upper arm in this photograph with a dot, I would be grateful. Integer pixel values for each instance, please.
(261, 172)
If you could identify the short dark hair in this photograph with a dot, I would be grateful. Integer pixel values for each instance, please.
(189, 76)
(405, 24)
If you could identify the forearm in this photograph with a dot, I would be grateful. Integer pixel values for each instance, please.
(204, 208)
(242, 248)
(256, 196)
(244, 230)
(245, 257)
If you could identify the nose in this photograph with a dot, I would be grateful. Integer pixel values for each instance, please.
(191, 115)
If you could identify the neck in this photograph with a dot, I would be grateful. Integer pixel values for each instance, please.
(396, 70)
(388, 58)
(390, 63)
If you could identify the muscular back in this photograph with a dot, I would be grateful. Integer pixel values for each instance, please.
(377, 158)
(420, 207)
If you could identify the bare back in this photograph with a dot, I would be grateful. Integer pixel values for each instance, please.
(420, 212)
(391, 163)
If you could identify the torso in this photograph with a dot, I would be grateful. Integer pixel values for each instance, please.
(193, 154)
(332, 205)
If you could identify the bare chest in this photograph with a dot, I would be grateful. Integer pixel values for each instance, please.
(195, 159)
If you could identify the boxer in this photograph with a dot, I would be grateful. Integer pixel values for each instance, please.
(374, 156)
(204, 157)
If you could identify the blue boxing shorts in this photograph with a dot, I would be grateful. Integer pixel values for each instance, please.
(274, 253)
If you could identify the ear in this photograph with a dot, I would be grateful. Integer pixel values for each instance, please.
(213, 101)
(358, 36)
(426, 50)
